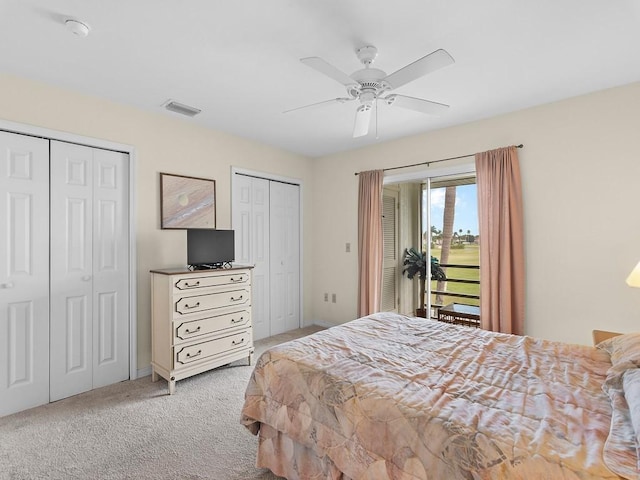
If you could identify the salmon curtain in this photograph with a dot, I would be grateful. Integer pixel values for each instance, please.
(501, 240)
(369, 242)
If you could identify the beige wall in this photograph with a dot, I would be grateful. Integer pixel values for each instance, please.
(581, 173)
(163, 143)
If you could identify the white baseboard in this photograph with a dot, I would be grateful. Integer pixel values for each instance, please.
(144, 372)
(322, 323)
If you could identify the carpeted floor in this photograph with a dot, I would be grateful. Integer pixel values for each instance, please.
(135, 430)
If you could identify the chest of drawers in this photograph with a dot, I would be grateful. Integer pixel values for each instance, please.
(199, 320)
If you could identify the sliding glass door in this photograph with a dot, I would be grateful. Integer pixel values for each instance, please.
(435, 213)
(449, 217)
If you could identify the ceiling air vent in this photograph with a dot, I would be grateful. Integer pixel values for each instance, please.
(181, 108)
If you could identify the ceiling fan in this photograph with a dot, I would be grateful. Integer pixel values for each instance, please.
(368, 85)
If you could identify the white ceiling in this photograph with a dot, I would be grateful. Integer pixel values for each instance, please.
(238, 60)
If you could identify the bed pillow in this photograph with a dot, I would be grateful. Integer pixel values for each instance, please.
(623, 349)
(631, 388)
(624, 352)
(621, 447)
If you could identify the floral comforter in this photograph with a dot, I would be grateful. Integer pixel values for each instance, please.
(394, 397)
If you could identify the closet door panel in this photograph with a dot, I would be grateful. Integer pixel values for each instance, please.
(261, 283)
(292, 311)
(24, 272)
(71, 269)
(110, 268)
(77, 322)
(285, 257)
(278, 274)
(251, 225)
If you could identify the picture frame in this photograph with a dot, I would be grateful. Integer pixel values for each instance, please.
(187, 202)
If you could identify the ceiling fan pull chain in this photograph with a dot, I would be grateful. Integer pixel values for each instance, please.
(377, 119)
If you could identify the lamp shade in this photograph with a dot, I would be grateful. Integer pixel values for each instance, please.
(633, 280)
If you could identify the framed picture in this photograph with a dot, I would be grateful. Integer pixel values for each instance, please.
(187, 202)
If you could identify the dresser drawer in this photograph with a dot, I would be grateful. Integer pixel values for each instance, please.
(194, 353)
(212, 301)
(187, 330)
(204, 281)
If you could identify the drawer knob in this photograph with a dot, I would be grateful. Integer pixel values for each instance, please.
(233, 320)
(239, 342)
(195, 305)
(195, 331)
(233, 299)
(194, 355)
(191, 285)
(236, 279)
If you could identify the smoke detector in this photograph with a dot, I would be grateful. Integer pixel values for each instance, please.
(77, 27)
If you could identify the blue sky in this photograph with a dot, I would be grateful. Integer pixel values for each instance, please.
(466, 216)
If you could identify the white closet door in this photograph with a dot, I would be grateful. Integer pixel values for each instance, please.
(110, 267)
(71, 363)
(251, 224)
(24, 272)
(89, 279)
(285, 257)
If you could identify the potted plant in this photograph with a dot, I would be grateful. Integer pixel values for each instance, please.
(415, 263)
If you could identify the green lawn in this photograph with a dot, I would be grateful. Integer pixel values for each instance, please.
(469, 255)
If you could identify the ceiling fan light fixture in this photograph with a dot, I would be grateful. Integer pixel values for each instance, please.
(367, 97)
(362, 121)
(77, 27)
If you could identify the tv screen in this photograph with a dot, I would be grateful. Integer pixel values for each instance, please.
(208, 248)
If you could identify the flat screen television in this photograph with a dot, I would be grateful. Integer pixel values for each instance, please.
(207, 248)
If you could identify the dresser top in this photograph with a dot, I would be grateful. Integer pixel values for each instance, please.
(185, 269)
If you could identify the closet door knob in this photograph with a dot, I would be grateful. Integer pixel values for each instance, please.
(7, 285)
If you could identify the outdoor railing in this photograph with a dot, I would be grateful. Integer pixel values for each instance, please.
(448, 293)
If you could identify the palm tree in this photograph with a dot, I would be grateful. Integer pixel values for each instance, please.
(447, 233)
(435, 234)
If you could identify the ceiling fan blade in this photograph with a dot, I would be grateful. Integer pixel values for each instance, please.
(417, 104)
(329, 70)
(317, 104)
(427, 64)
(363, 119)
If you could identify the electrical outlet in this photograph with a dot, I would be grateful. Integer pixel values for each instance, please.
(347, 247)
(333, 298)
(326, 297)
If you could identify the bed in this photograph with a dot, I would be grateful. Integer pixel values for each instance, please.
(393, 397)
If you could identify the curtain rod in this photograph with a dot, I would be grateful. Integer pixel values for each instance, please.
(433, 161)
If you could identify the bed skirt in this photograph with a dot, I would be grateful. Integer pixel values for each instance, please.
(287, 458)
